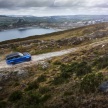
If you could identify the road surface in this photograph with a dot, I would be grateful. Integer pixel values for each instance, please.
(36, 58)
(40, 57)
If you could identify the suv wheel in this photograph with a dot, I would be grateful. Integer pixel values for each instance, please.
(13, 63)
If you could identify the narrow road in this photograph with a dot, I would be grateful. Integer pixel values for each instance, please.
(37, 58)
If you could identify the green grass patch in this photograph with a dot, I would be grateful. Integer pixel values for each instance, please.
(32, 85)
(79, 69)
(91, 82)
(41, 78)
(15, 96)
(101, 62)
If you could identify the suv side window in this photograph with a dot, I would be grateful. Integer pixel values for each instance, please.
(14, 57)
(17, 56)
(10, 58)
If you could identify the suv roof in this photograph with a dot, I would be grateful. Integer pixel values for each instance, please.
(13, 54)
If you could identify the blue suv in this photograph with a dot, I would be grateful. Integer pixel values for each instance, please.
(17, 57)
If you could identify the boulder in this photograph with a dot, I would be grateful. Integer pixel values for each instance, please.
(104, 87)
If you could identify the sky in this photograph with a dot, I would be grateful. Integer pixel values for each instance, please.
(53, 7)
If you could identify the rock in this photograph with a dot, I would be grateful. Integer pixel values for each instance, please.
(3, 76)
(104, 87)
(77, 41)
(17, 73)
(23, 86)
(1, 88)
(103, 46)
(21, 73)
(44, 64)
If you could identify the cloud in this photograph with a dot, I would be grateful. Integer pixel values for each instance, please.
(52, 3)
(6, 4)
(53, 7)
(97, 3)
(25, 3)
(68, 3)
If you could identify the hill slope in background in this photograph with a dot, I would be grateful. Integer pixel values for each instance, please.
(69, 81)
(62, 22)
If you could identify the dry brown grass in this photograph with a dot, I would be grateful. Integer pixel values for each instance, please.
(65, 95)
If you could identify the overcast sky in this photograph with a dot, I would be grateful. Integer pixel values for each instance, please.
(53, 7)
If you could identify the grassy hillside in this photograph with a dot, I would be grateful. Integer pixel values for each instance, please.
(56, 41)
(69, 81)
(63, 34)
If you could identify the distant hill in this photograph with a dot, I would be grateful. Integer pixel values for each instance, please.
(55, 22)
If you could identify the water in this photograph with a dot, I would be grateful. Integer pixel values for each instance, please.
(23, 32)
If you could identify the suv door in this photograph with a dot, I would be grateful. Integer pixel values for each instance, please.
(18, 59)
(10, 60)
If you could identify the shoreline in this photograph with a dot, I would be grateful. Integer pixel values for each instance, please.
(28, 28)
(36, 37)
(36, 26)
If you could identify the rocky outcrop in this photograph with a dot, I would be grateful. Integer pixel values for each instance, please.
(85, 38)
(14, 74)
(97, 34)
(24, 43)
